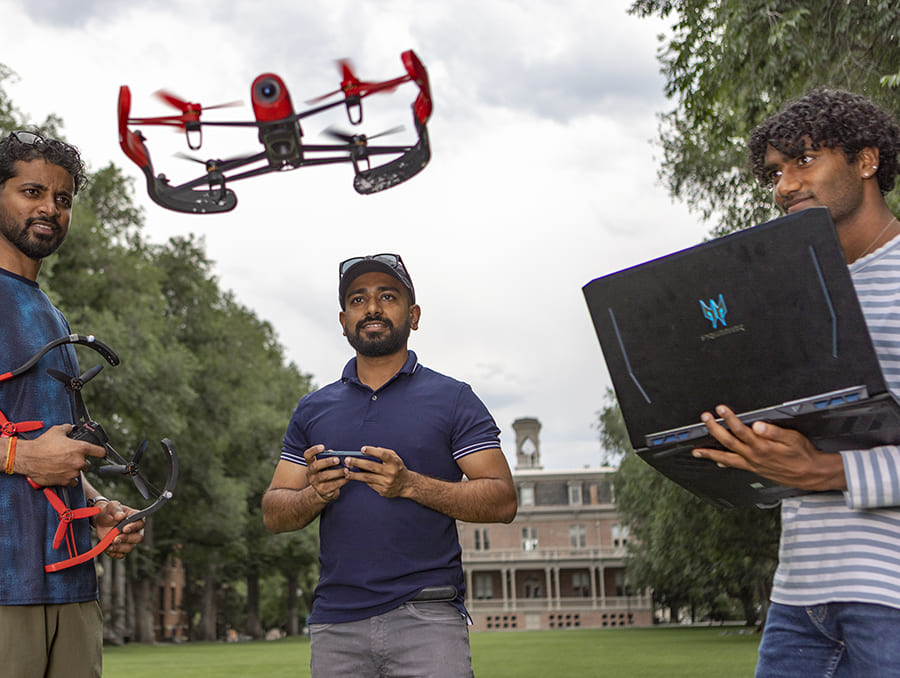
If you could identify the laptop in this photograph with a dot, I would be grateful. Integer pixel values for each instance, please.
(766, 321)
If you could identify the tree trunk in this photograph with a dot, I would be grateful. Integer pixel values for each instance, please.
(104, 576)
(748, 603)
(254, 625)
(210, 610)
(143, 586)
(144, 599)
(293, 604)
(119, 621)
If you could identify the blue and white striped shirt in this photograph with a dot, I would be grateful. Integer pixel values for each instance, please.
(846, 547)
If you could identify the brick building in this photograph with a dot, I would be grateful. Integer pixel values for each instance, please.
(560, 563)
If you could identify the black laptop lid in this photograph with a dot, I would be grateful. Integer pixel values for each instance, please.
(753, 319)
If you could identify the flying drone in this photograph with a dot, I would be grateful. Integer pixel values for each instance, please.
(280, 134)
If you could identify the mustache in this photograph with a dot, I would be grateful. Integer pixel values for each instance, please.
(53, 221)
(362, 322)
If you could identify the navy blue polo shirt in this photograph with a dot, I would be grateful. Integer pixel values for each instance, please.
(377, 553)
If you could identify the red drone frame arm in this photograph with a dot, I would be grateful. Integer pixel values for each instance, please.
(10, 428)
(99, 548)
(64, 513)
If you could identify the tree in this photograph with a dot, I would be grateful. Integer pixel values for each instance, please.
(729, 64)
(689, 552)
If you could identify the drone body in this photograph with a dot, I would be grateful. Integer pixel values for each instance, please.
(281, 135)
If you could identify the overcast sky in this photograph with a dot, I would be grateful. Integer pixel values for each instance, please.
(543, 173)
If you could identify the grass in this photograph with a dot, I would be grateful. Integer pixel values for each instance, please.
(677, 652)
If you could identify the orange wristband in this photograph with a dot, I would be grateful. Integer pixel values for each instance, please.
(11, 453)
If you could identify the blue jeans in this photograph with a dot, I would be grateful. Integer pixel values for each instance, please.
(836, 640)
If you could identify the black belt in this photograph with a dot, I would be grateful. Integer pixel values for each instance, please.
(435, 594)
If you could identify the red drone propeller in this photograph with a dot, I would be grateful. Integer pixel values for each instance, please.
(190, 112)
(188, 120)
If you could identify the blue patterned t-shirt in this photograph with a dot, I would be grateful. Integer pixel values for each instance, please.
(27, 521)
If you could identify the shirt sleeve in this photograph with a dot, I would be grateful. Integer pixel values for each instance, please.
(295, 442)
(873, 477)
(474, 429)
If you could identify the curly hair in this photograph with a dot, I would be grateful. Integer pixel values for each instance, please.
(52, 151)
(833, 119)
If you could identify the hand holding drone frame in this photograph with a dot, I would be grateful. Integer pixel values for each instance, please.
(90, 431)
(162, 497)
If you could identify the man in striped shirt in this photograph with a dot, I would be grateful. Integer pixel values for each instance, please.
(836, 595)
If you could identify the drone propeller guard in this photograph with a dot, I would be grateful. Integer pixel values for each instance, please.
(398, 170)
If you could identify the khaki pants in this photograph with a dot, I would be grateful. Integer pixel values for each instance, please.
(51, 641)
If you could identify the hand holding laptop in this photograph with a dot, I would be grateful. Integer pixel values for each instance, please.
(779, 454)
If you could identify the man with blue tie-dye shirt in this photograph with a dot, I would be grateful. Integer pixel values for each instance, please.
(836, 594)
(50, 622)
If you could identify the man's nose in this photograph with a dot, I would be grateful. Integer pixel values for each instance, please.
(786, 185)
(373, 306)
(49, 206)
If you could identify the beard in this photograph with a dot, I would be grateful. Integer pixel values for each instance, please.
(32, 245)
(394, 341)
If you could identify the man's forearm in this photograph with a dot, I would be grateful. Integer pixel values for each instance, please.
(481, 500)
(286, 509)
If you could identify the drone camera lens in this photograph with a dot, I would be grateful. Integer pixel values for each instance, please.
(268, 90)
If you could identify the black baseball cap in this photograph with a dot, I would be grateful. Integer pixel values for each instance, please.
(392, 264)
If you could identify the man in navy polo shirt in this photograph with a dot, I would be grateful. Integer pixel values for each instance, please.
(390, 598)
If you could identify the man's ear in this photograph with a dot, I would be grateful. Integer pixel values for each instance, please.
(867, 161)
(415, 312)
(341, 321)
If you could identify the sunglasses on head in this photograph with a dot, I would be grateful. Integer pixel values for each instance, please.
(28, 138)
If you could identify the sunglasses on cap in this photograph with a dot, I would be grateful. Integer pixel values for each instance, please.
(392, 260)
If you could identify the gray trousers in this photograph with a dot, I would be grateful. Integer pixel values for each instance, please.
(416, 640)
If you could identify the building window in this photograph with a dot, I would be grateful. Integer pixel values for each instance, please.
(533, 587)
(575, 494)
(577, 536)
(526, 495)
(482, 542)
(581, 584)
(619, 535)
(529, 539)
(484, 586)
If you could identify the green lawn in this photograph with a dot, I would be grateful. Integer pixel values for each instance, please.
(680, 652)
